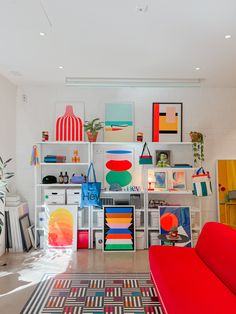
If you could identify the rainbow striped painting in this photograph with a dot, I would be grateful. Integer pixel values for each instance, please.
(61, 226)
(119, 230)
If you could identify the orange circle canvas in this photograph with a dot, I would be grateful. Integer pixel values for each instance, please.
(169, 221)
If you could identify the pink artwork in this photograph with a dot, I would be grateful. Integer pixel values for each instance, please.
(69, 127)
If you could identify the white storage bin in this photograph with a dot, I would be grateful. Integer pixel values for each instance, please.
(140, 240)
(73, 196)
(154, 219)
(154, 238)
(137, 219)
(99, 240)
(100, 218)
(54, 196)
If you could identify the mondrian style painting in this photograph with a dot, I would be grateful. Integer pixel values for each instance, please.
(118, 167)
(119, 230)
(167, 122)
(119, 123)
(176, 217)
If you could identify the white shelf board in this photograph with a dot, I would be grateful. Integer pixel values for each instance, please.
(151, 167)
(62, 143)
(139, 209)
(58, 185)
(155, 209)
(141, 143)
(153, 228)
(139, 228)
(171, 192)
(82, 228)
(97, 228)
(64, 164)
(121, 192)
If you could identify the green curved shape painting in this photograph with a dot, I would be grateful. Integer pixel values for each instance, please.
(123, 178)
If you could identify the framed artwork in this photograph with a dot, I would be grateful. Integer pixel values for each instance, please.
(31, 231)
(119, 122)
(69, 117)
(176, 217)
(119, 229)
(160, 180)
(24, 225)
(178, 180)
(167, 122)
(163, 157)
(118, 169)
(61, 229)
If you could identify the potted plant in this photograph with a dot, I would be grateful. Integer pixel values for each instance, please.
(4, 176)
(92, 128)
(198, 147)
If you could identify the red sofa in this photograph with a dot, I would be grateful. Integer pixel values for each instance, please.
(200, 280)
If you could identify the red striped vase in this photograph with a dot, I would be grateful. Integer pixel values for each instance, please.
(69, 127)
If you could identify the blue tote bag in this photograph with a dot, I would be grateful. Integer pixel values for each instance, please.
(91, 191)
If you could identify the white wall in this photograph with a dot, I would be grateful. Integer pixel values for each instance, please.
(211, 111)
(8, 124)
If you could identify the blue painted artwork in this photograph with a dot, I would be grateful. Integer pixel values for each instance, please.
(160, 178)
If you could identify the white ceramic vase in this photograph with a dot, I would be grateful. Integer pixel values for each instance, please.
(2, 221)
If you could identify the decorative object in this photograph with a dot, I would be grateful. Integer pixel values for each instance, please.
(54, 159)
(139, 136)
(45, 136)
(75, 157)
(167, 122)
(104, 293)
(119, 123)
(145, 159)
(69, 127)
(173, 232)
(24, 225)
(178, 180)
(163, 158)
(198, 147)
(118, 168)
(61, 230)
(119, 230)
(176, 217)
(202, 183)
(75, 179)
(49, 180)
(92, 128)
(91, 190)
(161, 180)
(35, 156)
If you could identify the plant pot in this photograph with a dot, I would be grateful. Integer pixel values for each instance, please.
(92, 137)
(2, 221)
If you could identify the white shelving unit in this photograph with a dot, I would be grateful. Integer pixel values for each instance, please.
(62, 148)
(94, 151)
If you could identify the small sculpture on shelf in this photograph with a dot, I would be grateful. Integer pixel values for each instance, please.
(76, 157)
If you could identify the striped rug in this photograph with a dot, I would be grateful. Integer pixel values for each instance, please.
(94, 293)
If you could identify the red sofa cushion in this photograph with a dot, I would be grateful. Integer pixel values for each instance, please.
(216, 246)
(185, 285)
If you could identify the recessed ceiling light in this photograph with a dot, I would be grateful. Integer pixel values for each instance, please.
(227, 36)
(42, 34)
(60, 67)
(197, 68)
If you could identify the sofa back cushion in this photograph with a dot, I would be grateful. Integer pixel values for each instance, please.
(216, 246)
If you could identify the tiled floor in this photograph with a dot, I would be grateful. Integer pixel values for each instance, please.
(24, 271)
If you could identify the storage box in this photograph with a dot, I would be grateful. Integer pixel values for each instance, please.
(154, 219)
(140, 240)
(54, 196)
(154, 238)
(99, 240)
(100, 218)
(137, 219)
(82, 239)
(73, 196)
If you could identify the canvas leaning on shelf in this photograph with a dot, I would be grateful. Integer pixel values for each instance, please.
(161, 180)
(178, 180)
(24, 225)
(31, 231)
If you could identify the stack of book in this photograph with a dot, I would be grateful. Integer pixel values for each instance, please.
(54, 158)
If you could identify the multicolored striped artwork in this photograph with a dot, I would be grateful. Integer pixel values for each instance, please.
(61, 226)
(69, 127)
(119, 123)
(69, 293)
(118, 167)
(167, 122)
(119, 231)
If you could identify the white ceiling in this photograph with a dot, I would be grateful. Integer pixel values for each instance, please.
(109, 38)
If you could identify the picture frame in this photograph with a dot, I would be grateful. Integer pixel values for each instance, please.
(31, 231)
(119, 228)
(176, 217)
(178, 180)
(166, 152)
(167, 122)
(24, 225)
(160, 180)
